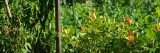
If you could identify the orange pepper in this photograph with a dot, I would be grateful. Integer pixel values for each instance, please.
(128, 20)
(82, 28)
(130, 36)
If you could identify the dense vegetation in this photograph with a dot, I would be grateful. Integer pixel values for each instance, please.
(118, 26)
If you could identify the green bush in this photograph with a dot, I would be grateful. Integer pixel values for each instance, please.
(100, 26)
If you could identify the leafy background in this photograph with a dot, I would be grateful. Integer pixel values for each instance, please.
(100, 26)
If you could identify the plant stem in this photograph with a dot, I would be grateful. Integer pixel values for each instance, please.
(8, 9)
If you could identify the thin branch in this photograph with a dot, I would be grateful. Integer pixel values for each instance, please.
(8, 9)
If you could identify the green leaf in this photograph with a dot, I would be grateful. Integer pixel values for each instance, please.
(158, 11)
(24, 50)
(158, 35)
(27, 46)
(148, 19)
(150, 34)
